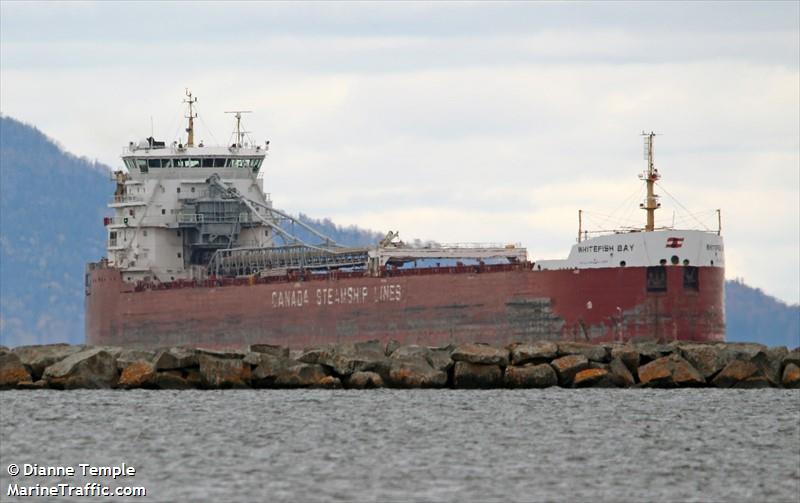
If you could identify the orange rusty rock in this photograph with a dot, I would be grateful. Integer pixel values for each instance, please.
(592, 377)
(735, 372)
(12, 371)
(567, 366)
(10, 376)
(138, 374)
(669, 371)
(330, 382)
(791, 376)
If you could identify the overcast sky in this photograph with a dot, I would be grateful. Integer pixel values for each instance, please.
(450, 121)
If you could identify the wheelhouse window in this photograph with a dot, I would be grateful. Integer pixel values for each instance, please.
(219, 162)
(153, 163)
(142, 165)
(208, 162)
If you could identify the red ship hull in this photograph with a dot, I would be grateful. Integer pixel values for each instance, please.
(430, 307)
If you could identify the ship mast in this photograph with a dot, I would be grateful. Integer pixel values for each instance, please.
(191, 116)
(239, 133)
(650, 177)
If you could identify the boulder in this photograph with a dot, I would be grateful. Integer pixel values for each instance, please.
(567, 366)
(330, 382)
(254, 359)
(364, 380)
(129, 356)
(39, 357)
(216, 372)
(620, 373)
(353, 357)
(175, 379)
(480, 353)
(734, 372)
(772, 365)
(476, 375)
(536, 352)
(175, 358)
(139, 374)
(315, 355)
(593, 378)
(669, 372)
(652, 351)
(391, 346)
(12, 371)
(438, 358)
(301, 375)
(414, 373)
(628, 355)
(592, 352)
(744, 351)
(410, 351)
(269, 368)
(791, 376)
(530, 376)
(270, 349)
(792, 357)
(89, 368)
(708, 359)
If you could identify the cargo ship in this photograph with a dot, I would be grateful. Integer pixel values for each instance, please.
(197, 255)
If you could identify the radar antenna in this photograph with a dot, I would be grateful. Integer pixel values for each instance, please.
(650, 177)
(239, 133)
(191, 117)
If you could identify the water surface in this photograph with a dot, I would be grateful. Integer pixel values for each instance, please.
(416, 445)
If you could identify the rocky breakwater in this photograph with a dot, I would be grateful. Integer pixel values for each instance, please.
(372, 364)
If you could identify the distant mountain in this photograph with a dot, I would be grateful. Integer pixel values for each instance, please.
(751, 315)
(51, 223)
(51, 208)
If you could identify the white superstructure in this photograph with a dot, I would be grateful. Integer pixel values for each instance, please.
(170, 218)
(648, 246)
(644, 249)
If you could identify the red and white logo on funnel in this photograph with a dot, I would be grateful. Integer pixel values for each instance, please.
(674, 242)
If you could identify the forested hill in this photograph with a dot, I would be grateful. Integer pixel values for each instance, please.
(752, 315)
(51, 223)
(52, 205)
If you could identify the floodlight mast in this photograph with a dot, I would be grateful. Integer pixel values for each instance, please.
(239, 133)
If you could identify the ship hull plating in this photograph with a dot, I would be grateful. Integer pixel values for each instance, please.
(423, 307)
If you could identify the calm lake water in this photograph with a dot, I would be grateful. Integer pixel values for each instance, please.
(416, 445)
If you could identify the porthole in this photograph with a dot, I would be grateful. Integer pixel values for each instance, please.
(674, 259)
(622, 263)
(712, 262)
(663, 261)
(686, 261)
